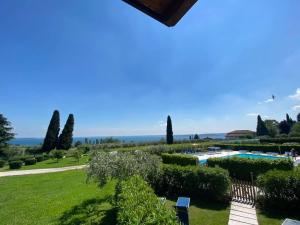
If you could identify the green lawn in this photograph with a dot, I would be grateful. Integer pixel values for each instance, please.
(52, 163)
(206, 212)
(274, 218)
(66, 199)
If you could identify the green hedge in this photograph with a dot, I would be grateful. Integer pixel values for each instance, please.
(2, 163)
(240, 168)
(264, 148)
(30, 161)
(137, 204)
(179, 159)
(281, 189)
(39, 158)
(15, 164)
(280, 140)
(193, 181)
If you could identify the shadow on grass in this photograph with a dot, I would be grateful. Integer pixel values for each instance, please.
(92, 212)
(205, 203)
(279, 214)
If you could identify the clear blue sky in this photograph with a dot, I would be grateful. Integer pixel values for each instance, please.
(121, 73)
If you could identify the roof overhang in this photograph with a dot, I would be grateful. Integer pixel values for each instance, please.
(168, 12)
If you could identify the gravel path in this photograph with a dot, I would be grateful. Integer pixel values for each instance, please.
(40, 171)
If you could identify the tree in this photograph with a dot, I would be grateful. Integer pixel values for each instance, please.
(196, 137)
(290, 121)
(105, 166)
(272, 126)
(5, 131)
(295, 131)
(298, 118)
(261, 129)
(169, 131)
(51, 139)
(284, 127)
(65, 139)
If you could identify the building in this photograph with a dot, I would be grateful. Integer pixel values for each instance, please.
(240, 134)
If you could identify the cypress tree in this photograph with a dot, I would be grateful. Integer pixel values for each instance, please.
(51, 139)
(261, 129)
(284, 127)
(169, 131)
(65, 139)
(298, 118)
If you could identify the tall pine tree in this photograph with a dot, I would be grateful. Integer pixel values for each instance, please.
(51, 139)
(169, 131)
(261, 129)
(66, 137)
(5, 131)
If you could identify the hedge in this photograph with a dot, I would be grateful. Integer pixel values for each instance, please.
(179, 159)
(264, 148)
(39, 158)
(30, 161)
(137, 204)
(240, 168)
(15, 164)
(280, 140)
(281, 189)
(2, 163)
(193, 181)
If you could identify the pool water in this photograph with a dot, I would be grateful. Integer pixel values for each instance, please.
(247, 156)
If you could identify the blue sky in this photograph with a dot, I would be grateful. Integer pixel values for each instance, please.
(121, 73)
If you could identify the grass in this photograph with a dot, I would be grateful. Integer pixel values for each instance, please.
(274, 218)
(204, 212)
(53, 163)
(57, 198)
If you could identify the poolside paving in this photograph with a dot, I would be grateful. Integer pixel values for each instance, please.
(242, 214)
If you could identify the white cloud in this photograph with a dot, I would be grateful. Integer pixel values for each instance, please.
(162, 123)
(296, 107)
(252, 114)
(269, 100)
(296, 95)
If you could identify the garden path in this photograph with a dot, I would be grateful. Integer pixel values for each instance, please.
(242, 214)
(40, 171)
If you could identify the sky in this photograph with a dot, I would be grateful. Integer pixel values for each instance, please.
(121, 73)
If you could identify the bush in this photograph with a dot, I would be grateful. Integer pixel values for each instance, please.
(57, 154)
(193, 181)
(264, 148)
(240, 168)
(30, 161)
(46, 156)
(180, 159)
(137, 204)
(15, 164)
(281, 189)
(2, 163)
(280, 140)
(39, 158)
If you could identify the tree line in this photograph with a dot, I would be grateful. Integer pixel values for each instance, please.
(273, 128)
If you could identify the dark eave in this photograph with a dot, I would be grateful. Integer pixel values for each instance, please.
(168, 12)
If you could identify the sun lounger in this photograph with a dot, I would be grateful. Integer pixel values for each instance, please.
(290, 222)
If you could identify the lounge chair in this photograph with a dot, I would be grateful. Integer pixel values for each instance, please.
(290, 222)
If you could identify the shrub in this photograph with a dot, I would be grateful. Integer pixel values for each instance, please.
(2, 163)
(104, 166)
(15, 164)
(30, 161)
(193, 181)
(280, 140)
(179, 159)
(264, 148)
(241, 168)
(39, 158)
(57, 154)
(281, 189)
(46, 156)
(137, 204)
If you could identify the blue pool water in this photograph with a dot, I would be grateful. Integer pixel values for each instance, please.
(247, 156)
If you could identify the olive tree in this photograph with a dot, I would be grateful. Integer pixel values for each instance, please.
(105, 166)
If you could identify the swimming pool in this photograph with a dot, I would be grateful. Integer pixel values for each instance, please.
(247, 156)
